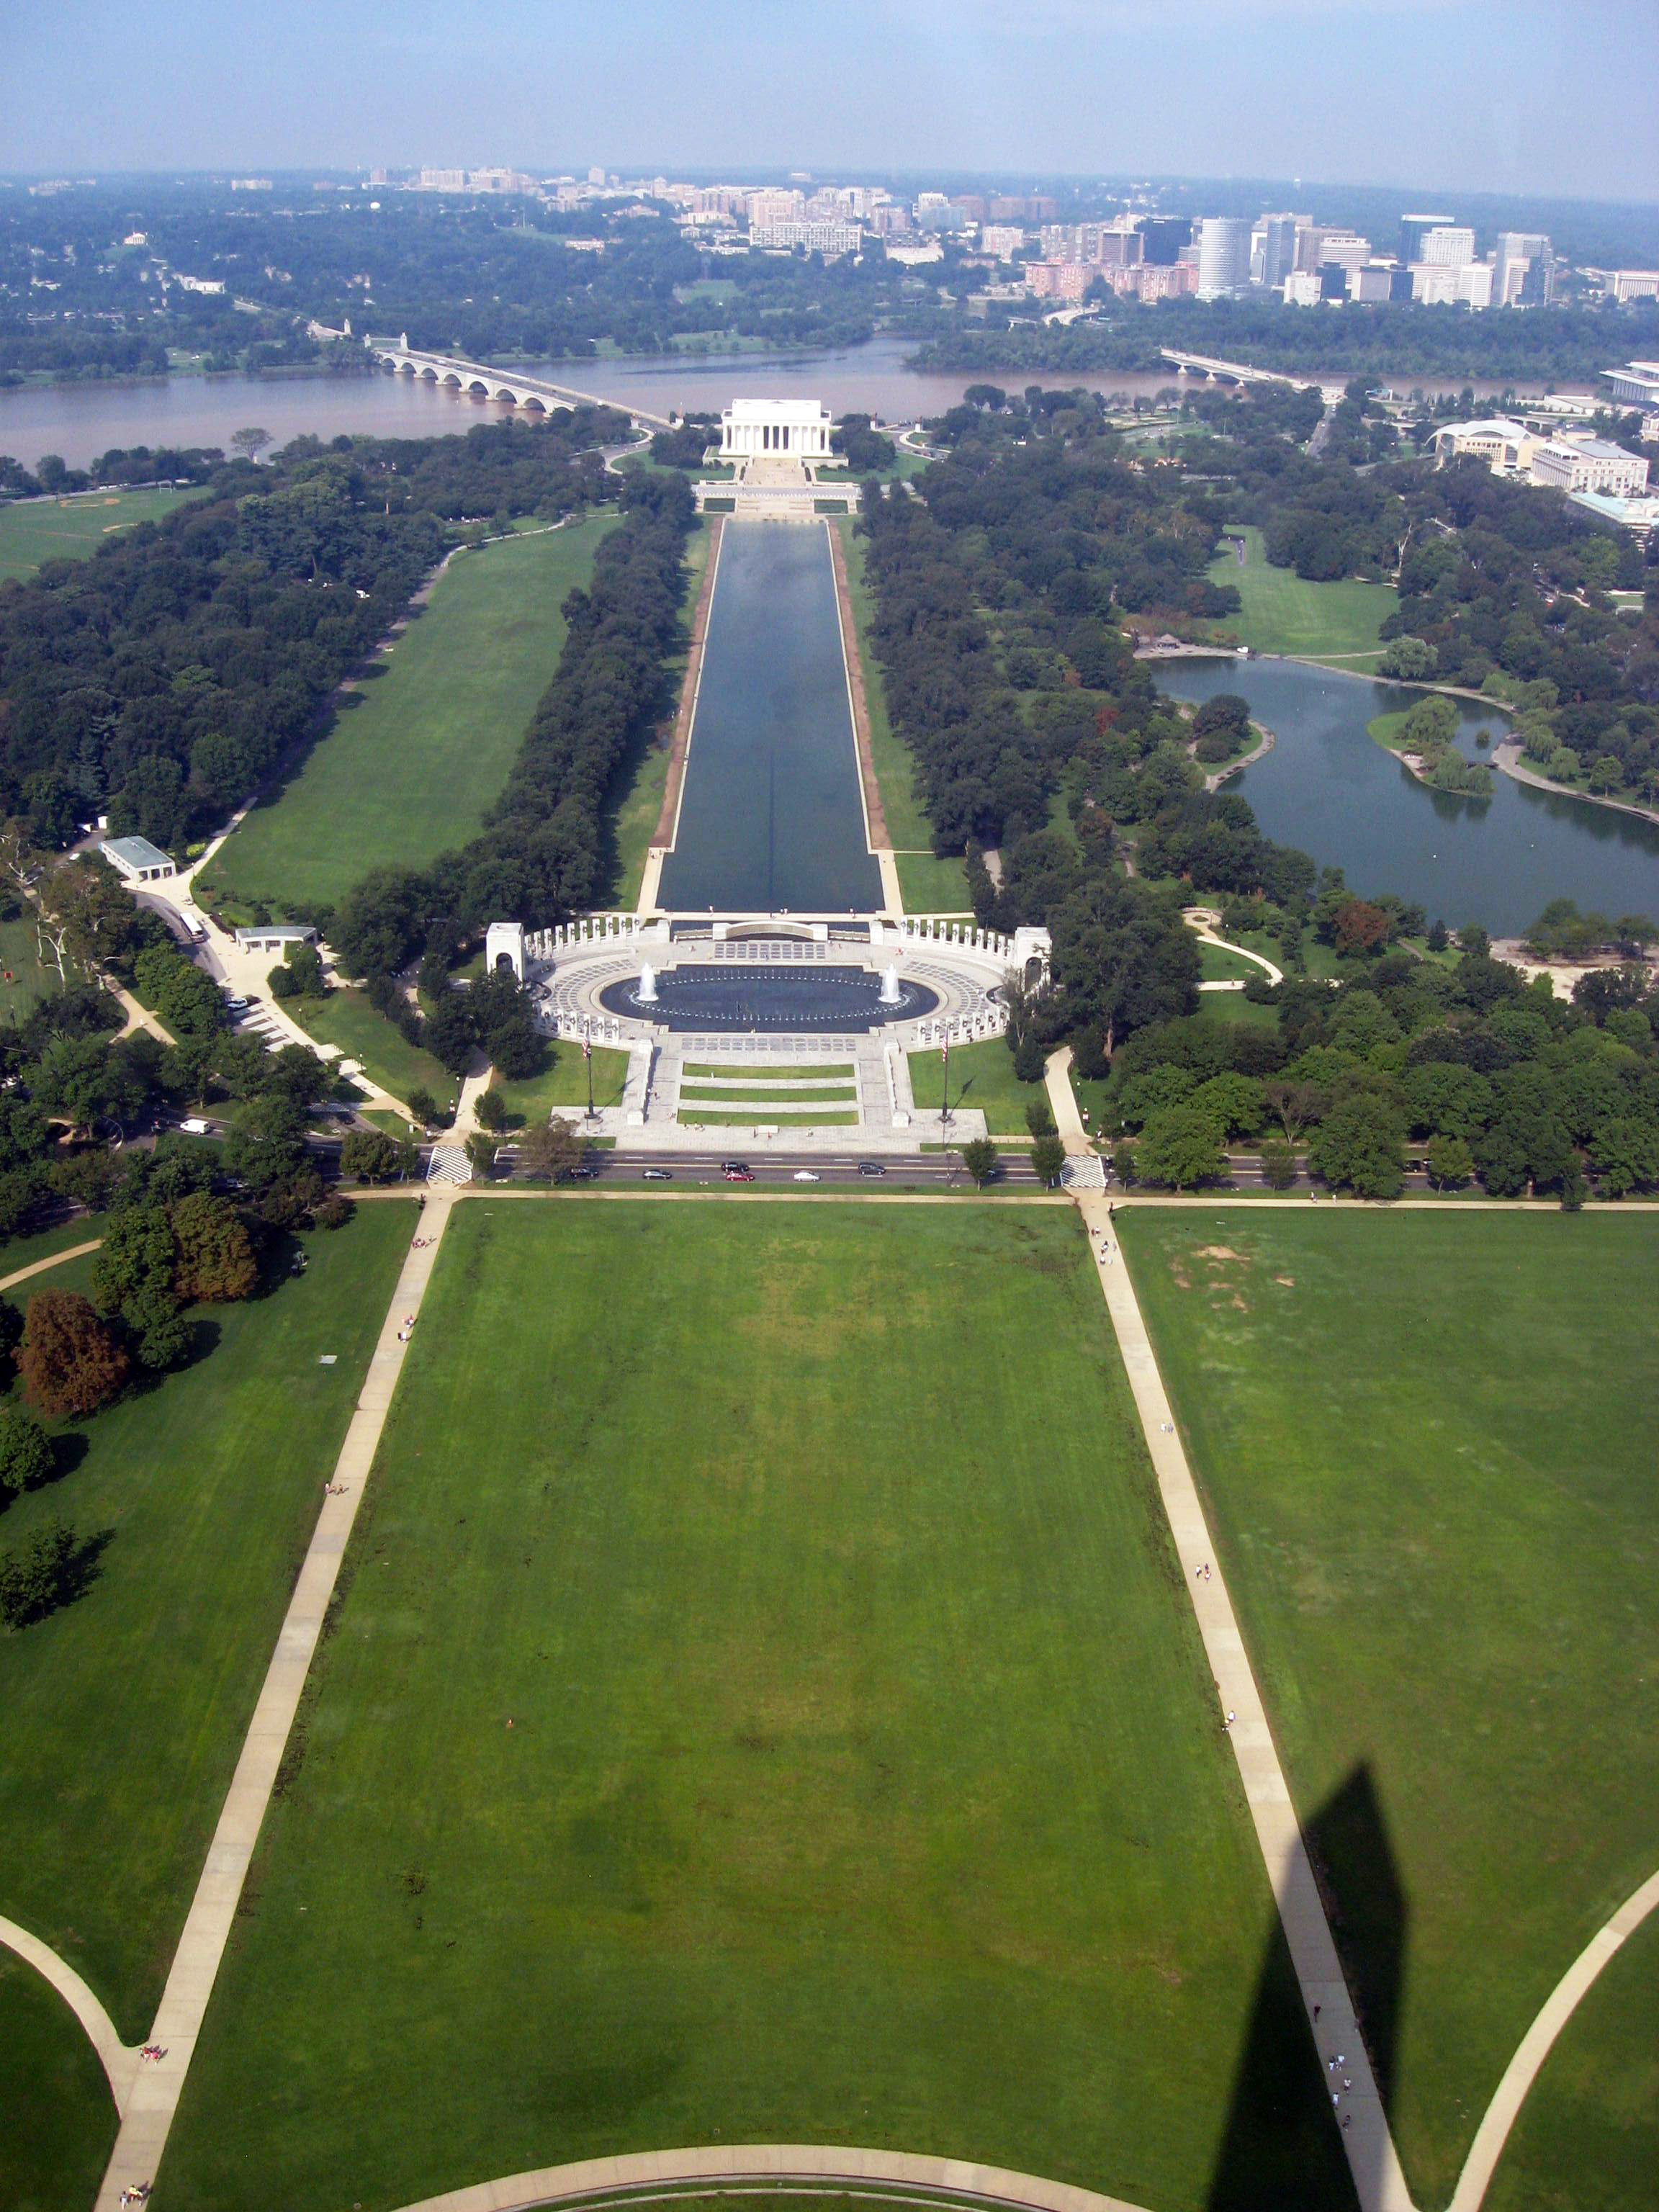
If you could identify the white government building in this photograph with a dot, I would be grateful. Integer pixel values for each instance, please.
(798, 429)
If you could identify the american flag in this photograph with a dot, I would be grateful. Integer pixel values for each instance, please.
(587, 1049)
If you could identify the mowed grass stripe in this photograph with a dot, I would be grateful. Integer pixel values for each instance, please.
(863, 1780)
(1427, 1444)
(417, 756)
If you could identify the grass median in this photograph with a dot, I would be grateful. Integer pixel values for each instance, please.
(759, 1711)
(1426, 1442)
(1283, 612)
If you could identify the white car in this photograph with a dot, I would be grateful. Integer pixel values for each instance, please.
(196, 1126)
(238, 1006)
(808, 1175)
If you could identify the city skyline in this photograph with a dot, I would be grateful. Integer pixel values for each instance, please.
(1351, 92)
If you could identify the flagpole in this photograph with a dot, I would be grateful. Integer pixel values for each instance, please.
(587, 1058)
(944, 1112)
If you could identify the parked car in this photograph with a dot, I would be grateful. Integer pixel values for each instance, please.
(872, 1168)
(238, 1005)
(194, 1126)
(656, 1175)
(808, 1175)
(735, 1172)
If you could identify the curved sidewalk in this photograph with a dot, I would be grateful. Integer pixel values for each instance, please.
(148, 2119)
(1534, 2046)
(872, 2172)
(1379, 2182)
(119, 2060)
(52, 1259)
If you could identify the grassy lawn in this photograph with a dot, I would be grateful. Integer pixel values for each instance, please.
(36, 530)
(1588, 2135)
(863, 1780)
(416, 757)
(1217, 965)
(1282, 614)
(931, 885)
(907, 823)
(23, 981)
(56, 2116)
(635, 805)
(563, 1082)
(124, 1711)
(24, 1251)
(981, 1075)
(696, 1116)
(346, 1018)
(791, 1095)
(1427, 1445)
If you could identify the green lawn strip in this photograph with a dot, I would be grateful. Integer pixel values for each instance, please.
(981, 1075)
(766, 1071)
(901, 802)
(1234, 1006)
(36, 530)
(863, 1782)
(345, 1018)
(1587, 2138)
(395, 1125)
(1426, 1442)
(1216, 965)
(24, 1251)
(564, 1082)
(735, 1117)
(24, 983)
(418, 756)
(57, 2117)
(634, 807)
(931, 885)
(124, 1711)
(796, 1094)
(1281, 613)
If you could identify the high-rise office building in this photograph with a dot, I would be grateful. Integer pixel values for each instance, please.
(1223, 256)
(1446, 246)
(1277, 248)
(1523, 274)
(1162, 237)
(1414, 229)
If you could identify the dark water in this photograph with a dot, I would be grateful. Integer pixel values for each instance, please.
(771, 820)
(80, 421)
(705, 996)
(1329, 788)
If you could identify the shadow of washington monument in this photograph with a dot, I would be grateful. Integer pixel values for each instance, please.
(1283, 2149)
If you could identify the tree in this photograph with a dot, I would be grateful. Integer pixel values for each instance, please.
(1357, 1147)
(70, 1362)
(11, 1332)
(1410, 658)
(1048, 1159)
(491, 1109)
(1624, 1153)
(215, 1262)
(304, 964)
(249, 443)
(266, 1143)
(1278, 1164)
(35, 1581)
(25, 1451)
(369, 1156)
(424, 1108)
(1179, 1146)
(1123, 1164)
(1451, 1162)
(87, 1080)
(979, 1157)
(552, 1149)
(481, 1154)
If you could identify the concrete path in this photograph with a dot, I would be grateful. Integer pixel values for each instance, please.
(148, 2118)
(119, 2061)
(52, 1260)
(1534, 2046)
(1379, 2182)
(1062, 1103)
(726, 2166)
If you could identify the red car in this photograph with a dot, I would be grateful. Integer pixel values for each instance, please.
(735, 1172)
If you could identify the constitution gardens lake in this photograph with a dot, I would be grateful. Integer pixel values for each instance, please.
(771, 818)
(1329, 788)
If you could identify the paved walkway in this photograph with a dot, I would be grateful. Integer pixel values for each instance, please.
(1062, 1103)
(1379, 2182)
(52, 1259)
(869, 2172)
(1535, 2045)
(148, 2117)
(120, 2060)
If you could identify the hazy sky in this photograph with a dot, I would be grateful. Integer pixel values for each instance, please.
(1531, 95)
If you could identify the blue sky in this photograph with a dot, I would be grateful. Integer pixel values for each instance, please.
(1534, 95)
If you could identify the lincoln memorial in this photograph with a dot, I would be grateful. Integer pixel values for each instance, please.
(797, 428)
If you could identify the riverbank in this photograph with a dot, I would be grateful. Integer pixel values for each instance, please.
(1507, 756)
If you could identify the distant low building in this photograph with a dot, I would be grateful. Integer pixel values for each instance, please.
(1506, 446)
(1637, 383)
(275, 937)
(137, 859)
(1639, 516)
(831, 240)
(1569, 462)
(798, 428)
(1058, 280)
